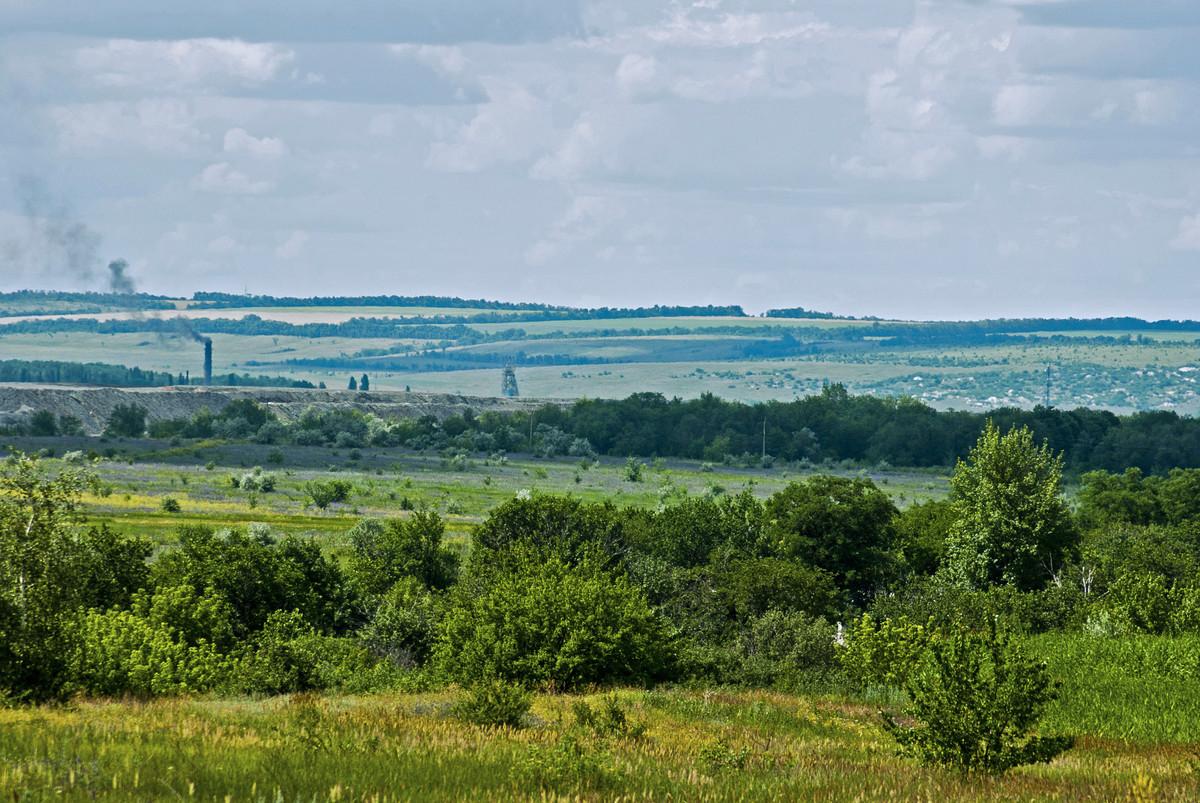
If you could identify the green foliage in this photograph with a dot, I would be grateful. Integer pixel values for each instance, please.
(44, 561)
(402, 628)
(608, 720)
(781, 650)
(975, 699)
(384, 552)
(921, 533)
(840, 525)
(751, 587)
(561, 525)
(634, 470)
(323, 493)
(288, 655)
(1011, 524)
(126, 421)
(1150, 603)
(884, 653)
(495, 704)
(568, 766)
(258, 575)
(718, 757)
(170, 504)
(736, 522)
(535, 619)
(168, 642)
(42, 424)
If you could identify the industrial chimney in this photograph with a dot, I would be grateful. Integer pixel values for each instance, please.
(207, 361)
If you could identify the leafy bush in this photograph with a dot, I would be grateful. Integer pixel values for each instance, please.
(402, 628)
(539, 620)
(288, 655)
(258, 575)
(884, 653)
(608, 720)
(384, 552)
(634, 469)
(718, 757)
(975, 699)
(126, 421)
(495, 704)
(568, 766)
(169, 642)
(170, 505)
(797, 640)
(840, 525)
(322, 494)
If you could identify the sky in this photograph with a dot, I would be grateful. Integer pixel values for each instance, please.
(990, 158)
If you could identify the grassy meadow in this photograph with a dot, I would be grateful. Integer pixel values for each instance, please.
(712, 745)
(139, 475)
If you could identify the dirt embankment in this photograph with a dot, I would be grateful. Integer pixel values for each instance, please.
(93, 405)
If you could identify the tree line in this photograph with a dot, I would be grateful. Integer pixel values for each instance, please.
(830, 427)
(121, 376)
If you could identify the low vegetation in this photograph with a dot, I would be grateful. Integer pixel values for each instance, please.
(707, 646)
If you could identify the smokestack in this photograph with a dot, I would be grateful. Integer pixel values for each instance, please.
(207, 361)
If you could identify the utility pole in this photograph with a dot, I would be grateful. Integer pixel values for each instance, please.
(1046, 401)
(764, 441)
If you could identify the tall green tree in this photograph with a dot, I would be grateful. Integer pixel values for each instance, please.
(1011, 525)
(50, 569)
(841, 525)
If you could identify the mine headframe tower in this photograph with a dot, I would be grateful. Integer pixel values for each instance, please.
(508, 384)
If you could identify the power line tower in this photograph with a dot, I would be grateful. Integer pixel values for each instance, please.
(508, 384)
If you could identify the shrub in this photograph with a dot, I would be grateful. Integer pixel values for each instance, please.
(169, 642)
(634, 469)
(975, 698)
(884, 653)
(718, 757)
(258, 575)
(609, 720)
(170, 505)
(385, 552)
(402, 628)
(565, 767)
(288, 656)
(322, 494)
(495, 704)
(126, 421)
(536, 619)
(840, 525)
(796, 640)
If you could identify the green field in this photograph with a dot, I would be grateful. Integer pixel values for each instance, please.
(142, 473)
(776, 747)
(1123, 369)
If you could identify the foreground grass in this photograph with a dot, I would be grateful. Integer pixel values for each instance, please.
(696, 746)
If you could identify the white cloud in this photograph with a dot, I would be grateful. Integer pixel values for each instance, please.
(223, 245)
(1021, 104)
(1188, 236)
(636, 74)
(221, 177)
(579, 151)
(446, 59)
(237, 140)
(511, 127)
(188, 62)
(165, 126)
(293, 246)
(585, 219)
